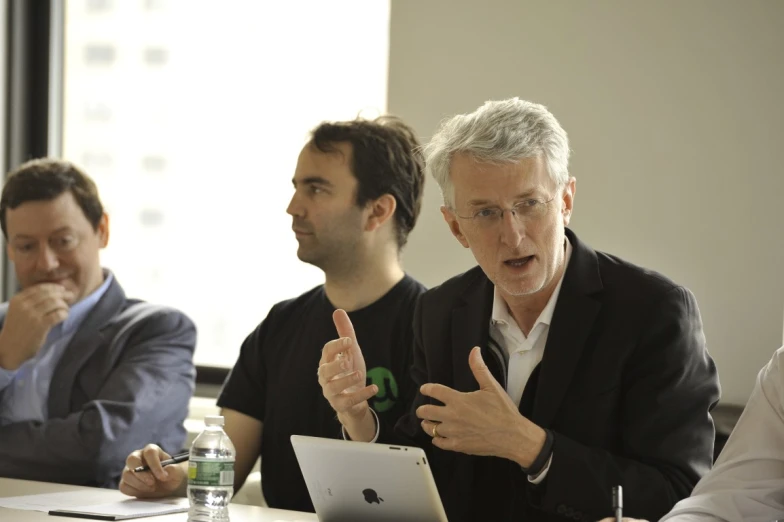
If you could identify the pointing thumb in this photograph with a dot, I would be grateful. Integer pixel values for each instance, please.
(480, 370)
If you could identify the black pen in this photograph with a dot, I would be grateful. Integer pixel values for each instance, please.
(617, 495)
(182, 457)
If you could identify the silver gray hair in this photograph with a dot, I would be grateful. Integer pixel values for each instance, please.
(504, 131)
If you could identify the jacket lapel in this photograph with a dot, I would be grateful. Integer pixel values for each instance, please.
(471, 327)
(87, 339)
(573, 318)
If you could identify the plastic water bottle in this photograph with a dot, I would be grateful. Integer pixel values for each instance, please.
(211, 473)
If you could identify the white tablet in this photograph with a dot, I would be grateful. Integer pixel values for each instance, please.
(360, 482)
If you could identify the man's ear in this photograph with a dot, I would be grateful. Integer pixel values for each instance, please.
(103, 231)
(568, 200)
(381, 210)
(454, 225)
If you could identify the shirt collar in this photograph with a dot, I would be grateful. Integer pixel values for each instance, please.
(501, 314)
(79, 310)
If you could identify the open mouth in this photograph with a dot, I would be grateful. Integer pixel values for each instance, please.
(519, 262)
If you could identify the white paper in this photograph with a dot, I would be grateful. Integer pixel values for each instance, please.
(104, 502)
(133, 507)
(48, 501)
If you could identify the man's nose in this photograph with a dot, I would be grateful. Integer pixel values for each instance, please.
(295, 207)
(512, 228)
(47, 259)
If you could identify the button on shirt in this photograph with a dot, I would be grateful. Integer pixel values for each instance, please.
(524, 352)
(24, 393)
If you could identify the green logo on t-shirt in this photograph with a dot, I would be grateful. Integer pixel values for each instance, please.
(387, 389)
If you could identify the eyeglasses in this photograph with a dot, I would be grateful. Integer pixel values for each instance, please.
(527, 210)
(60, 245)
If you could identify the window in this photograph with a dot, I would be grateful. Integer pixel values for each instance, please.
(190, 115)
(156, 56)
(98, 6)
(97, 54)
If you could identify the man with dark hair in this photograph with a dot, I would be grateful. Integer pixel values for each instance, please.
(357, 194)
(370, 141)
(86, 374)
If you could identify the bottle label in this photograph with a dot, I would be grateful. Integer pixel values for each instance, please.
(210, 473)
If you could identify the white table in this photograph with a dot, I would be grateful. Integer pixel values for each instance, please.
(238, 513)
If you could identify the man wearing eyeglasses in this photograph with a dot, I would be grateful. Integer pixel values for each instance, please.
(550, 372)
(86, 373)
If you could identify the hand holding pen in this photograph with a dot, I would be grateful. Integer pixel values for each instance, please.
(153, 473)
(182, 457)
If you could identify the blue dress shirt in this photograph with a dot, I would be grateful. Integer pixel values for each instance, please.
(24, 392)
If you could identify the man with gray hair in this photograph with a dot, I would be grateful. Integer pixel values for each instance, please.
(551, 372)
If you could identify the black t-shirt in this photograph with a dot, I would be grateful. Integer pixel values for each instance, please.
(275, 381)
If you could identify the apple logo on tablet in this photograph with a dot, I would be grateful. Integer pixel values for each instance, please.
(371, 496)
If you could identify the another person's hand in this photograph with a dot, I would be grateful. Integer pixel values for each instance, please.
(160, 481)
(31, 315)
(484, 422)
(342, 376)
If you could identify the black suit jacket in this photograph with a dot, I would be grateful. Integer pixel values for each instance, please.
(625, 384)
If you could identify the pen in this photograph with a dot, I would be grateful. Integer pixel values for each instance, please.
(617, 499)
(182, 457)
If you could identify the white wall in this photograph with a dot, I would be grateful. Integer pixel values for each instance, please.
(675, 115)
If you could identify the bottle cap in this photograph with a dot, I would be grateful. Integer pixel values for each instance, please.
(213, 420)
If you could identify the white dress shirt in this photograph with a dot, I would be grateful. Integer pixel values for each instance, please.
(524, 352)
(747, 482)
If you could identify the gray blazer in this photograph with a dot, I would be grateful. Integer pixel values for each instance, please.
(124, 381)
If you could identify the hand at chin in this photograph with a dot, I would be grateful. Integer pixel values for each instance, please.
(71, 291)
(72, 294)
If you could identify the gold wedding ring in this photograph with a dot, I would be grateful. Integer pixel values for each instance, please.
(435, 431)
